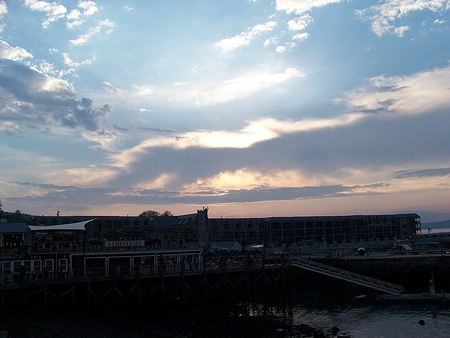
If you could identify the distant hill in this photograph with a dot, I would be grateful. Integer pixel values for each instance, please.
(436, 225)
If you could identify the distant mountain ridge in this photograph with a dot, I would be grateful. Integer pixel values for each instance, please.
(436, 225)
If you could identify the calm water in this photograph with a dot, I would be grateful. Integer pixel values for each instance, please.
(378, 321)
(368, 318)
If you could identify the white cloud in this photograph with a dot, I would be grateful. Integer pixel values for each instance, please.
(299, 23)
(3, 11)
(245, 37)
(53, 10)
(300, 36)
(77, 18)
(91, 176)
(280, 49)
(210, 93)
(105, 24)
(12, 53)
(400, 31)
(68, 61)
(270, 41)
(145, 110)
(244, 86)
(89, 7)
(111, 88)
(384, 14)
(419, 93)
(301, 6)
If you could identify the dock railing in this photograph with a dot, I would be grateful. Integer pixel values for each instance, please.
(348, 276)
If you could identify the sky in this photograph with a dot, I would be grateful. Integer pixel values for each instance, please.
(251, 108)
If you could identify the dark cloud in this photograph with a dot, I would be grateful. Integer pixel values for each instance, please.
(423, 173)
(36, 99)
(122, 128)
(158, 130)
(79, 197)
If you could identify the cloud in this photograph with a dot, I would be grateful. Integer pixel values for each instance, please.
(93, 31)
(270, 41)
(158, 130)
(245, 85)
(299, 23)
(245, 37)
(12, 53)
(111, 88)
(253, 133)
(38, 99)
(120, 128)
(53, 10)
(400, 31)
(301, 6)
(415, 94)
(207, 93)
(300, 36)
(11, 129)
(3, 11)
(76, 17)
(441, 172)
(105, 138)
(87, 177)
(69, 62)
(83, 197)
(384, 14)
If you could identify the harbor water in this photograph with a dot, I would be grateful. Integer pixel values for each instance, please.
(365, 317)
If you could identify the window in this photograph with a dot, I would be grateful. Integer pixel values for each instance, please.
(48, 264)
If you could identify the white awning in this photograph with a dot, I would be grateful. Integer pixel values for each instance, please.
(79, 226)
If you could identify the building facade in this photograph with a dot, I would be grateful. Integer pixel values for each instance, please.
(332, 229)
(182, 231)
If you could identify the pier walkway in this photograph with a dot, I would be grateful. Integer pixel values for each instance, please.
(348, 276)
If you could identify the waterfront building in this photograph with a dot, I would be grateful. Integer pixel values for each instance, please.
(331, 229)
(200, 230)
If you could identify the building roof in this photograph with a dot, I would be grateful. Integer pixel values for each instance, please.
(13, 228)
(79, 226)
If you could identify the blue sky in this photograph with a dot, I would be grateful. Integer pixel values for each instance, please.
(251, 108)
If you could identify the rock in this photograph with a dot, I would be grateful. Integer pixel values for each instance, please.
(335, 330)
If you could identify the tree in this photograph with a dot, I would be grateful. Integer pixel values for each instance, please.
(154, 213)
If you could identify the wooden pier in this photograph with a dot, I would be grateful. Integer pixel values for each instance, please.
(119, 291)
